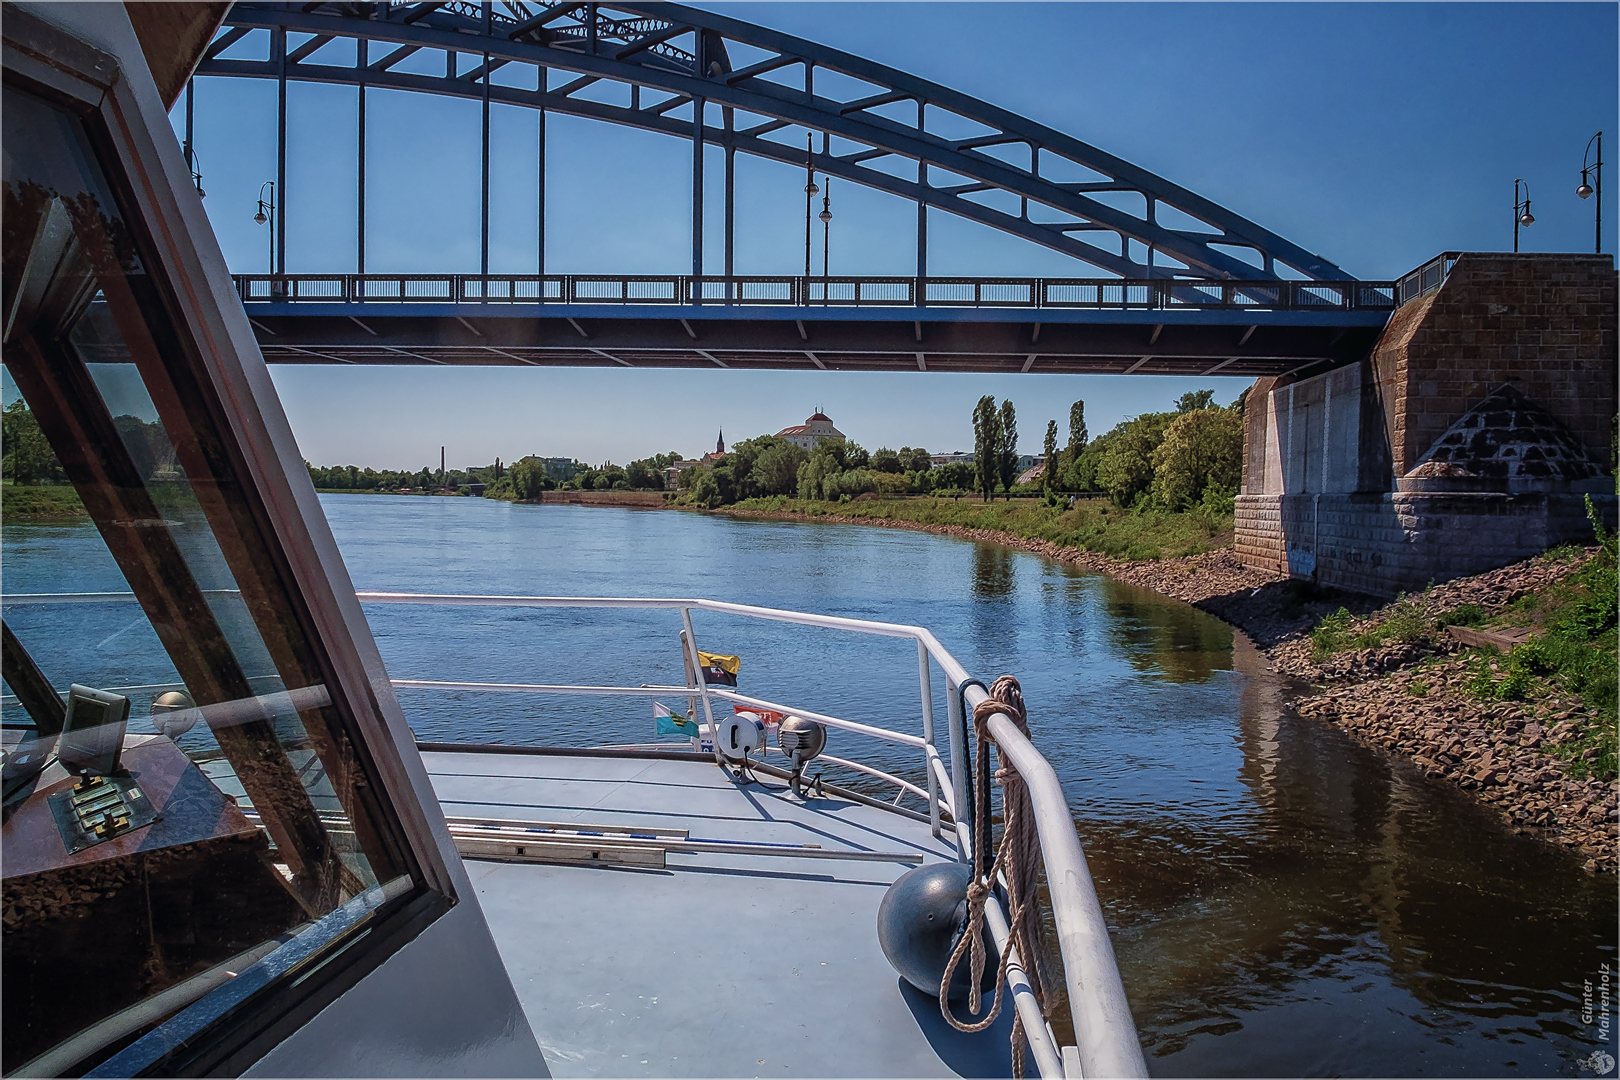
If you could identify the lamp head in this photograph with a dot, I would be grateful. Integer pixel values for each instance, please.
(825, 215)
(259, 217)
(1585, 190)
(811, 189)
(1526, 219)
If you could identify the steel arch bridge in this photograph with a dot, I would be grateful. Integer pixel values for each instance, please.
(676, 68)
(675, 59)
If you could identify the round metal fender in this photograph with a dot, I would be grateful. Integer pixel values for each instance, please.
(920, 921)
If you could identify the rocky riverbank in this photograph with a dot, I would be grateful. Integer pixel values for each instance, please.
(1411, 696)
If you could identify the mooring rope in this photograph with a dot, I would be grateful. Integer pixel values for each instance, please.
(1018, 859)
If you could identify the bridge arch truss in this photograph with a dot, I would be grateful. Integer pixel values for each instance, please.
(678, 60)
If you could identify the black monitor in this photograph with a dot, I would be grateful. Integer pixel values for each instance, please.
(93, 731)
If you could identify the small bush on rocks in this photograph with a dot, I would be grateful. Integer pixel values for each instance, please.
(1461, 615)
(1331, 635)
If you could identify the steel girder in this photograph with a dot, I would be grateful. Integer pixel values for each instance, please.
(682, 52)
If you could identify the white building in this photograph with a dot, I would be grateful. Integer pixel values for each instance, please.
(818, 428)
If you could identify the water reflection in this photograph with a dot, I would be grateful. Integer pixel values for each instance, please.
(1159, 636)
(1366, 920)
(992, 571)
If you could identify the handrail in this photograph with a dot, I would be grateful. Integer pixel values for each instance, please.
(1096, 995)
(1104, 1028)
(1152, 294)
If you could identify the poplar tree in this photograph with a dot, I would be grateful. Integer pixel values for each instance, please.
(1050, 450)
(986, 445)
(1077, 430)
(1008, 457)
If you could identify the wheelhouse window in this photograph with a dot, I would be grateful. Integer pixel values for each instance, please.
(186, 794)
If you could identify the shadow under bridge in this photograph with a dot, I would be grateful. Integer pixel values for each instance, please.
(1101, 326)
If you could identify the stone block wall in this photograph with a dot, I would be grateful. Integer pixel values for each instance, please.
(1544, 322)
(1383, 543)
(1321, 455)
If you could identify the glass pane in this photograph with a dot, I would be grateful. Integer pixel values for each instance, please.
(182, 793)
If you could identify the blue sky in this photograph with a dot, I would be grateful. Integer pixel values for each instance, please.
(1376, 135)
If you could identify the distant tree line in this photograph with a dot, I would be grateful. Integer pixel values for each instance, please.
(528, 477)
(835, 469)
(354, 478)
(1177, 460)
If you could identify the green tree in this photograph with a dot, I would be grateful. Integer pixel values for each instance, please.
(1077, 430)
(915, 459)
(957, 476)
(529, 479)
(1202, 451)
(818, 476)
(776, 469)
(1125, 467)
(986, 446)
(641, 476)
(1007, 451)
(1050, 449)
(1195, 400)
(885, 460)
(705, 490)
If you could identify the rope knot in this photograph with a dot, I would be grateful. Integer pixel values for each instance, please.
(1017, 862)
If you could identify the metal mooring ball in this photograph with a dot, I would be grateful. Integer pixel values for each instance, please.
(922, 917)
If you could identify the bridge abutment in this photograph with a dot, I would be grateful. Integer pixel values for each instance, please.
(1468, 440)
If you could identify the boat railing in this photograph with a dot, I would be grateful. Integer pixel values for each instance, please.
(1106, 1040)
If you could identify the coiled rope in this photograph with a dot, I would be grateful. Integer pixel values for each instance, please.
(1018, 861)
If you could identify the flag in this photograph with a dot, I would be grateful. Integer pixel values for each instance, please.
(719, 670)
(672, 723)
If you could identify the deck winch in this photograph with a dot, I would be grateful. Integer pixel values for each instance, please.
(801, 740)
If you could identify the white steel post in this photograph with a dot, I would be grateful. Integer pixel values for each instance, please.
(959, 765)
(928, 734)
(703, 684)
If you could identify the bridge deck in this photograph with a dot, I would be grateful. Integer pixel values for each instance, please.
(1078, 341)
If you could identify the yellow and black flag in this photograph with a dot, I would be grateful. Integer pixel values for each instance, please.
(719, 670)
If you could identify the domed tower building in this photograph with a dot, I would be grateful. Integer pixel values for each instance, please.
(816, 429)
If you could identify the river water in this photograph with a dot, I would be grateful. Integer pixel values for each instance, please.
(1284, 902)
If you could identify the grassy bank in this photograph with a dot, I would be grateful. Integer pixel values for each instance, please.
(1571, 655)
(24, 503)
(1092, 525)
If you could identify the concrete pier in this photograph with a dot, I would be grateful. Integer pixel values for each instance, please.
(1467, 440)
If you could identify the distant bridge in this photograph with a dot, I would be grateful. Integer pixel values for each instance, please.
(1082, 326)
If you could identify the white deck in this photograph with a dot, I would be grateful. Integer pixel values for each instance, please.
(718, 965)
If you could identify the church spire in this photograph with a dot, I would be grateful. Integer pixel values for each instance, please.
(720, 443)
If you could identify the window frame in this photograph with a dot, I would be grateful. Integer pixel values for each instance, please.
(141, 161)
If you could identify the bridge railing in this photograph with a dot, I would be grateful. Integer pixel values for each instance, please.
(1160, 294)
(1426, 278)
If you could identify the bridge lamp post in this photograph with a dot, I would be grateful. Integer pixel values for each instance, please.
(1594, 171)
(810, 192)
(1521, 218)
(194, 166)
(826, 232)
(267, 213)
